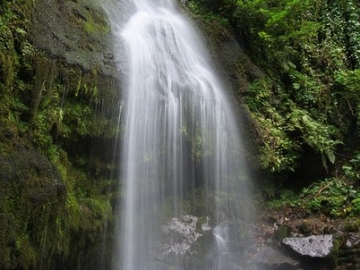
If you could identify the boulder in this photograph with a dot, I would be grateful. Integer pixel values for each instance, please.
(317, 246)
(181, 233)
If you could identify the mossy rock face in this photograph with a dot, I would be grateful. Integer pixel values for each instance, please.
(6, 55)
(76, 31)
(29, 168)
(53, 213)
(60, 105)
(32, 194)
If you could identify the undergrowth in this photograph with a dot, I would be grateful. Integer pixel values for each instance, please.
(335, 197)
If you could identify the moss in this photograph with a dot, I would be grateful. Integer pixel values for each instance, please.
(352, 226)
(8, 59)
(96, 25)
(335, 252)
(305, 228)
(92, 20)
(282, 232)
(33, 193)
(41, 219)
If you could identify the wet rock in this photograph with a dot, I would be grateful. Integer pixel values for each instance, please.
(349, 252)
(230, 261)
(353, 240)
(346, 267)
(318, 246)
(160, 266)
(76, 31)
(181, 233)
(32, 193)
(270, 258)
(39, 182)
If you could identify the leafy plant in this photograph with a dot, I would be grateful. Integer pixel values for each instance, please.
(287, 197)
(332, 196)
(352, 168)
(309, 52)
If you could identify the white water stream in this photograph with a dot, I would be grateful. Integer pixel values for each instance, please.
(180, 137)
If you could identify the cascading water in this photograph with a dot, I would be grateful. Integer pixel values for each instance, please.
(180, 145)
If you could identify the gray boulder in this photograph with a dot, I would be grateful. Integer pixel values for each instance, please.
(181, 233)
(317, 246)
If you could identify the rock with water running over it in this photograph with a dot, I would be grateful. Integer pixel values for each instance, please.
(270, 258)
(160, 266)
(317, 246)
(181, 233)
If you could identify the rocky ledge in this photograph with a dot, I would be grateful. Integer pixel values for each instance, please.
(289, 240)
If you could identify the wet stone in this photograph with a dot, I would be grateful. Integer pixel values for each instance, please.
(181, 234)
(353, 240)
(317, 246)
(269, 258)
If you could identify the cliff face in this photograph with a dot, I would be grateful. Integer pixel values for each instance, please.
(76, 31)
(60, 103)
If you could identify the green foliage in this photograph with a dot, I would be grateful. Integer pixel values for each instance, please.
(316, 134)
(216, 6)
(333, 197)
(348, 92)
(351, 226)
(329, 196)
(286, 198)
(309, 94)
(277, 125)
(353, 28)
(351, 169)
(355, 206)
(277, 152)
(207, 12)
(86, 209)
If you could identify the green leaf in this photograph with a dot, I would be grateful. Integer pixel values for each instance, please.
(296, 86)
(330, 155)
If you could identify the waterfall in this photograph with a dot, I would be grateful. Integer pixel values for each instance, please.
(180, 147)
